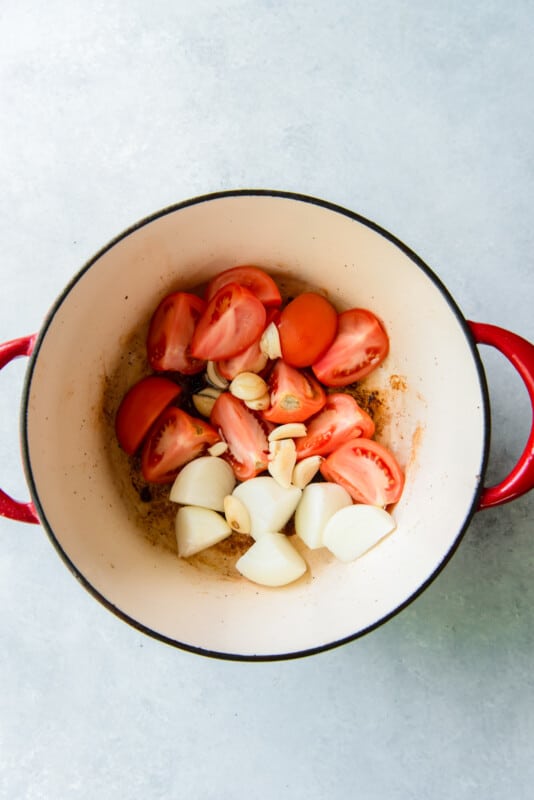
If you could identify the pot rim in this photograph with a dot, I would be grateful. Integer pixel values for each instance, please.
(303, 198)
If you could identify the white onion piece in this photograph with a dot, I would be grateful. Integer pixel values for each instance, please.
(352, 531)
(204, 482)
(319, 502)
(198, 528)
(272, 561)
(269, 505)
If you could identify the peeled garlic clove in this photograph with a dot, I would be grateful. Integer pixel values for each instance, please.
(282, 460)
(269, 505)
(272, 561)
(319, 502)
(352, 531)
(260, 404)
(236, 514)
(218, 449)
(205, 400)
(292, 430)
(305, 471)
(270, 342)
(203, 482)
(248, 386)
(198, 528)
(214, 376)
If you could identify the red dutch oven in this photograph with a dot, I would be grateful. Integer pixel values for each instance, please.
(433, 394)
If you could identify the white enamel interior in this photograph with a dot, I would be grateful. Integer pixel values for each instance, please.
(80, 500)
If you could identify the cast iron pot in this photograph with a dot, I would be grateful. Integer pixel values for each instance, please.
(433, 395)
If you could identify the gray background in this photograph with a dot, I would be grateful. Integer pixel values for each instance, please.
(417, 115)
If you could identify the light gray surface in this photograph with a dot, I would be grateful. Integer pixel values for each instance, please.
(417, 115)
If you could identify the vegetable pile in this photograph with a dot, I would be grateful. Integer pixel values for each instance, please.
(274, 435)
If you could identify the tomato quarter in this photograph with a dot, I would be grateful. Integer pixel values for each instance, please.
(368, 472)
(250, 360)
(361, 344)
(170, 333)
(140, 407)
(252, 278)
(174, 439)
(340, 420)
(245, 434)
(233, 320)
(295, 395)
(307, 328)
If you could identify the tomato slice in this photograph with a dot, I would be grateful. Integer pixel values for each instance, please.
(174, 439)
(368, 472)
(361, 345)
(307, 327)
(140, 407)
(252, 278)
(233, 320)
(245, 434)
(170, 333)
(295, 395)
(340, 420)
(250, 360)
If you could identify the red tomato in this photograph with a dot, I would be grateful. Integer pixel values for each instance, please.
(361, 345)
(252, 278)
(232, 321)
(174, 439)
(340, 420)
(170, 333)
(295, 396)
(251, 359)
(307, 328)
(366, 470)
(245, 434)
(140, 407)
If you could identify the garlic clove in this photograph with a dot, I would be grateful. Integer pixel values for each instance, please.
(282, 460)
(291, 430)
(248, 386)
(218, 449)
(205, 400)
(270, 342)
(260, 404)
(214, 377)
(305, 470)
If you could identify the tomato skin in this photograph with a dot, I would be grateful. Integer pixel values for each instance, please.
(140, 407)
(307, 328)
(244, 432)
(295, 395)
(368, 472)
(361, 344)
(174, 439)
(250, 360)
(340, 420)
(171, 331)
(252, 278)
(233, 319)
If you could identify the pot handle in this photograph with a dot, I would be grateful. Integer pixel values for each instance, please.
(13, 509)
(520, 353)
